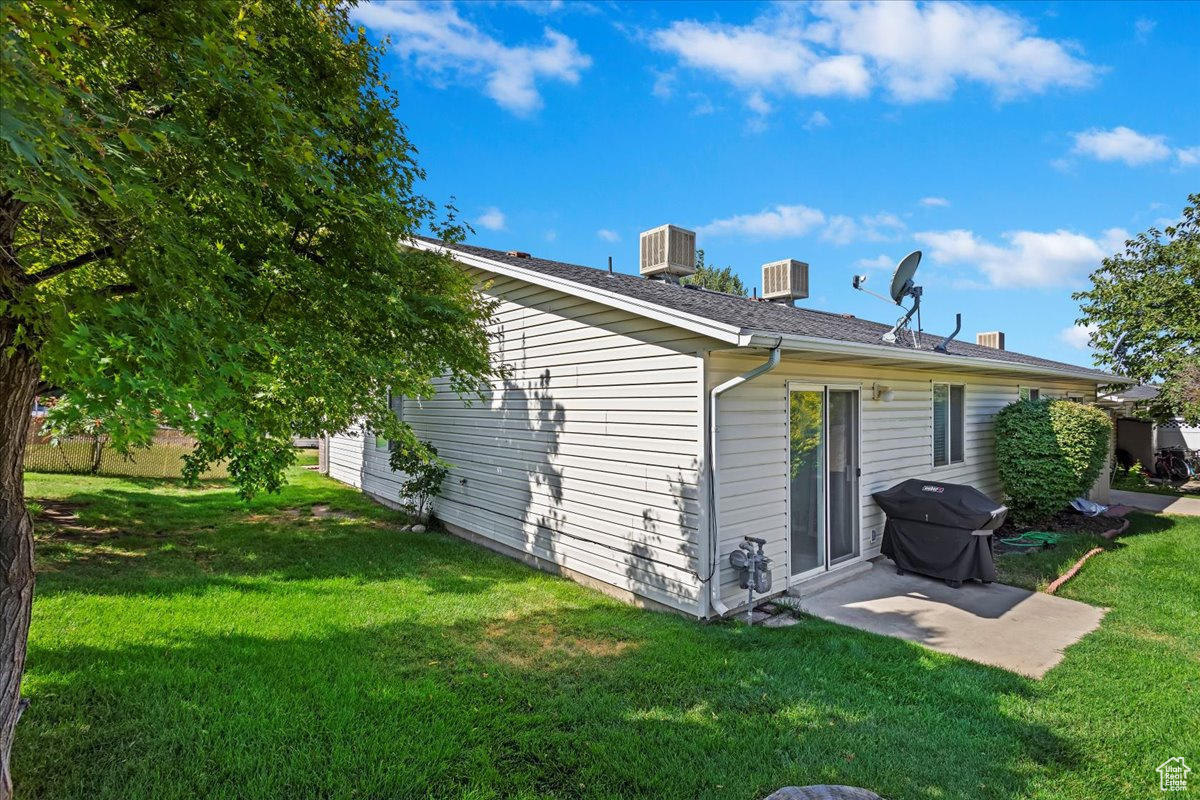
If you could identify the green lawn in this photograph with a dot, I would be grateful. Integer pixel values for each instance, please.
(1038, 567)
(188, 645)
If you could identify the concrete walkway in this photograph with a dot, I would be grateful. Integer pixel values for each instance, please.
(1158, 503)
(1014, 629)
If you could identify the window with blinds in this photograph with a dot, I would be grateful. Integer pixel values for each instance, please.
(949, 424)
(1026, 393)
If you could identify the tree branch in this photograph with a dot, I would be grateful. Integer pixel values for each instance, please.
(160, 111)
(116, 290)
(53, 271)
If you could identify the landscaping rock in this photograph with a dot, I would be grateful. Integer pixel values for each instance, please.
(783, 620)
(418, 529)
(823, 793)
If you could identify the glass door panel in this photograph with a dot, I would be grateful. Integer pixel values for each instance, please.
(843, 475)
(807, 476)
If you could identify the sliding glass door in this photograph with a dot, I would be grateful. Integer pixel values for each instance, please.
(823, 477)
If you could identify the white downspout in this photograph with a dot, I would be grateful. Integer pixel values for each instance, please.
(714, 498)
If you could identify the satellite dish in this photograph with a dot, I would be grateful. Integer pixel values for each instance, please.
(902, 278)
(903, 286)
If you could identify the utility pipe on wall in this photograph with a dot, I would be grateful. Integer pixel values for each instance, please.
(714, 501)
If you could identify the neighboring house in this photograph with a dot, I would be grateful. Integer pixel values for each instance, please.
(1137, 433)
(644, 428)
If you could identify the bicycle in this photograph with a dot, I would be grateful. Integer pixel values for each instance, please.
(1173, 464)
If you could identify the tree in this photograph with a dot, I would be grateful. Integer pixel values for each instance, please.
(715, 278)
(200, 207)
(1144, 305)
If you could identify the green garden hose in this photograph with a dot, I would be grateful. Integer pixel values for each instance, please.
(1035, 539)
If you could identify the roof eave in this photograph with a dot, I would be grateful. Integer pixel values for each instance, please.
(744, 337)
(833, 346)
(691, 322)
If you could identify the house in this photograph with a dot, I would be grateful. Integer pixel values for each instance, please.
(645, 428)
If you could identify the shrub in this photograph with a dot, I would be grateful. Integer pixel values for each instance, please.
(1049, 452)
(423, 472)
(1133, 479)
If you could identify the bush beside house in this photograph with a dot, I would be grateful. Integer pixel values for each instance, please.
(1049, 452)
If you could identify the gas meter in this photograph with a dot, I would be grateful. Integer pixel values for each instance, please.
(754, 566)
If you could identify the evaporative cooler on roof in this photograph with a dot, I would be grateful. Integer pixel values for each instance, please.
(668, 251)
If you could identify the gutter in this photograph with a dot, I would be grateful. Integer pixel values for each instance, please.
(744, 337)
(819, 345)
(714, 499)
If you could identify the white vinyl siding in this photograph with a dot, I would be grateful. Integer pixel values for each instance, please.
(586, 453)
(896, 444)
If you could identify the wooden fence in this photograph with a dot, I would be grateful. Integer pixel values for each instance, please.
(86, 455)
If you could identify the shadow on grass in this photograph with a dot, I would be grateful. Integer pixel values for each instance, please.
(128, 541)
(601, 701)
(1148, 523)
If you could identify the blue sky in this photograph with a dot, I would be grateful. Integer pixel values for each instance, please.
(1015, 144)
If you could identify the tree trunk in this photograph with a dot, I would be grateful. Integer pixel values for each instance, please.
(18, 380)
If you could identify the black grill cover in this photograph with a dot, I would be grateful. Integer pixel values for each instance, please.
(950, 504)
(931, 529)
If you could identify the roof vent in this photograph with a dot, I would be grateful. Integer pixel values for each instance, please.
(992, 339)
(668, 252)
(785, 281)
(517, 254)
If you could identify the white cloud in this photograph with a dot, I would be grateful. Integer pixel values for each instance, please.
(608, 236)
(703, 105)
(439, 41)
(841, 230)
(880, 227)
(783, 221)
(756, 103)
(1143, 28)
(939, 202)
(878, 262)
(492, 218)
(664, 85)
(1121, 144)
(915, 52)
(1133, 148)
(551, 236)
(772, 223)
(816, 119)
(1078, 336)
(1188, 156)
(1027, 258)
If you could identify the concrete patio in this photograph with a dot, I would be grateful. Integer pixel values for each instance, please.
(1014, 629)
(1158, 503)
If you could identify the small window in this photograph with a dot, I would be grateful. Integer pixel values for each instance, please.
(1030, 394)
(396, 404)
(949, 422)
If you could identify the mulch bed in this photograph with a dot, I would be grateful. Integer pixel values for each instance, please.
(1063, 522)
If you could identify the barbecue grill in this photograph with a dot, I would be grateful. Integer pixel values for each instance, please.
(943, 530)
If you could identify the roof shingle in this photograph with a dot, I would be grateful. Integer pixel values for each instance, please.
(754, 316)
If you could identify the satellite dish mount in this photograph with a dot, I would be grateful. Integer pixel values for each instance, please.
(903, 287)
